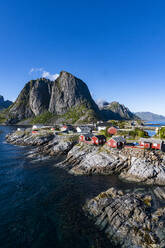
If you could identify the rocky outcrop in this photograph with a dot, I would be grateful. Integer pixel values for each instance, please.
(160, 192)
(130, 164)
(142, 170)
(128, 219)
(134, 165)
(86, 159)
(46, 143)
(67, 98)
(4, 104)
(116, 111)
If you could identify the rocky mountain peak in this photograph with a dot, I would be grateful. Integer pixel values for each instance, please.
(1, 99)
(4, 104)
(117, 111)
(66, 95)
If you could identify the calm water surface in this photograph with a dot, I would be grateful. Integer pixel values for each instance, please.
(41, 205)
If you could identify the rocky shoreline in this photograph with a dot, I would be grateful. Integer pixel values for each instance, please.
(128, 219)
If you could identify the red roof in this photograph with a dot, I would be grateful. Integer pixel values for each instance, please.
(112, 130)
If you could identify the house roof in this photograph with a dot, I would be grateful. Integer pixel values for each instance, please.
(118, 139)
(87, 135)
(100, 136)
(151, 140)
(84, 128)
(104, 124)
(113, 127)
(145, 140)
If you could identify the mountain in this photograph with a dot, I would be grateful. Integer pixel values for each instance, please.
(101, 103)
(4, 104)
(67, 99)
(117, 111)
(148, 116)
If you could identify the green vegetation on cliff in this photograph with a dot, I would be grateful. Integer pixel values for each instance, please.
(2, 118)
(44, 118)
(79, 113)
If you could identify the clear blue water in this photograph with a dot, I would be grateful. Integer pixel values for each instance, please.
(41, 205)
(151, 132)
(155, 124)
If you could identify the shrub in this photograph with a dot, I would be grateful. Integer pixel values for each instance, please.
(138, 133)
(162, 133)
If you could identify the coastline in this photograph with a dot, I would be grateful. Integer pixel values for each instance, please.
(83, 159)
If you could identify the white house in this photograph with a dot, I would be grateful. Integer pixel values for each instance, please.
(100, 128)
(83, 129)
(20, 129)
(37, 126)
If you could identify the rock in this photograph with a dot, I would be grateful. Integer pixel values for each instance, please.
(143, 171)
(160, 192)
(129, 164)
(127, 219)
(86, 159)
(47, 143)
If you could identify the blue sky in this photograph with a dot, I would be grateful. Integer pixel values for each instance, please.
(116, 47)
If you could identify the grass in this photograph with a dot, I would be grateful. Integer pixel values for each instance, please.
(73, 138)
(75, 113)
(2, 117)
(43, 118)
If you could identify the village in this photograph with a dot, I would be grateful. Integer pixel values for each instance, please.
(115, 134)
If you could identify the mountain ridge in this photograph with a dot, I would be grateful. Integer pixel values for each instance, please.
(116, 111)
(149, 116)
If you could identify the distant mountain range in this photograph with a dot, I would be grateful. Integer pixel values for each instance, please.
(148, 116)
(4, 104)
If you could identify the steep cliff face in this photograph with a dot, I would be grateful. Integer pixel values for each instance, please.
(117, 111)
(39, 97)
(4, 104)
(67, 98)
(69, 91)
(33, 100)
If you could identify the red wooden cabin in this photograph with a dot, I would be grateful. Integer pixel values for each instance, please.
(151, 143)
(145, 143)
(112, 130)
(99, 139)
(86, 138)
(116, 142)
(157, 144)
(34, 132)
